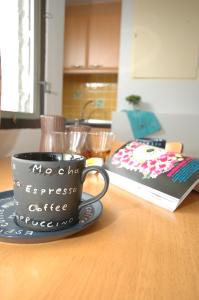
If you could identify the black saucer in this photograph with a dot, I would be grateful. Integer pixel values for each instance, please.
(12, 233)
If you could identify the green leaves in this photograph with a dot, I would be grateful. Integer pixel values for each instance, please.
(133, 99)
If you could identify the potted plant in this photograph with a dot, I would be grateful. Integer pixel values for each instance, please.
(133, 100)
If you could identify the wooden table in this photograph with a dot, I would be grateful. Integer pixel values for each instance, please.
(134, 251)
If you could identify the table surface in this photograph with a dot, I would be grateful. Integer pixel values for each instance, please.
(134, 251)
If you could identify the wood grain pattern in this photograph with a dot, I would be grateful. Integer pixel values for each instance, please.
(134, 251)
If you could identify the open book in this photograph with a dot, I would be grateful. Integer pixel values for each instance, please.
(161, 177)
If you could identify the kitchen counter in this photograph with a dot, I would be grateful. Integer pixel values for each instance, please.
(134, 251)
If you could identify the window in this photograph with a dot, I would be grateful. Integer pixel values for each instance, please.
(20, 48)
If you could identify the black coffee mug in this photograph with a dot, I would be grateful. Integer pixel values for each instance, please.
(48, 189)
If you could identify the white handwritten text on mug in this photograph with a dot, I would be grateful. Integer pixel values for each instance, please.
(47, 224)
(39, 169)
(58, 191)
(47, 207)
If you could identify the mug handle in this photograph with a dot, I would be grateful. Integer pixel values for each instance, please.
(105, 188)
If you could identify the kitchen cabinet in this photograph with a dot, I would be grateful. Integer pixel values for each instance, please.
(92, 34)
(76, 32)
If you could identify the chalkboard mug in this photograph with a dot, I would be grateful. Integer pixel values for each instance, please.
(48, 189)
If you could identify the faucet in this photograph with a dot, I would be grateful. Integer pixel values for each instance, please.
(82, 116)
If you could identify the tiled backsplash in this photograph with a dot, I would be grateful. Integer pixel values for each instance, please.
(81, 88)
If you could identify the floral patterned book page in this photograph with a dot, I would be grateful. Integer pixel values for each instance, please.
(164, 178)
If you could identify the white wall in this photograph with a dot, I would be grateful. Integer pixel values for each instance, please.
(179, 98)
(163, 96)
(54, 56)
(18, 140)
(171, 130)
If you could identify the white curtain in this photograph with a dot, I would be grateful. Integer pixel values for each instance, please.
(16, 36)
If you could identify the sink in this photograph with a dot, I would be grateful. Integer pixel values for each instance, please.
(90, 122)
(97, 121)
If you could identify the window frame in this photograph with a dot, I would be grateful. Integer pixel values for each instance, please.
(12, 120)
